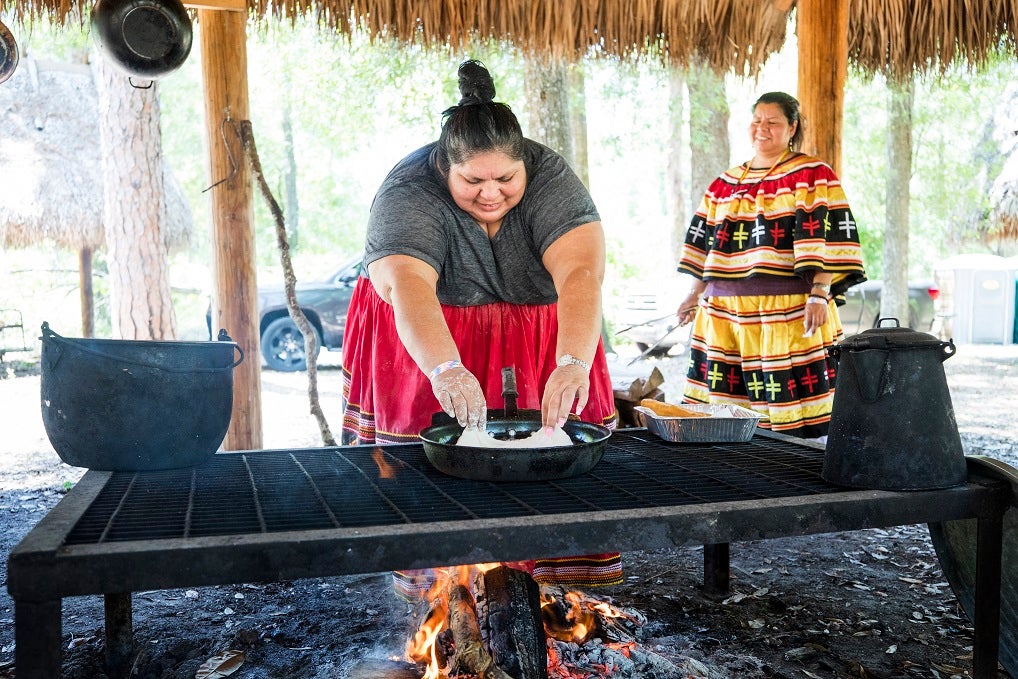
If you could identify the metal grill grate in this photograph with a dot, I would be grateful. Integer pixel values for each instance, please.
(321, 488)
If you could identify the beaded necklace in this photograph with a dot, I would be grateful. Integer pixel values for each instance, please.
(745, 172)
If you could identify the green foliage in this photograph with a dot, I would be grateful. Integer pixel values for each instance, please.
(954, 160)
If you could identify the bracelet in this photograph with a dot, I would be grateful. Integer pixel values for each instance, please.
(816, 299)
(442, 367)
(826, 287)
(569, 359)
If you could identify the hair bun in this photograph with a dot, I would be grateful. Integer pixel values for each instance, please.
(475, 83)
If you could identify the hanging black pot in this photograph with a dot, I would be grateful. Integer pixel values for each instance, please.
(144, 38)
(8, 53)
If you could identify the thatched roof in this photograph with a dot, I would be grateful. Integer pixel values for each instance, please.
(50, 172)
(893, 36)
(730, 35)
(902, 37)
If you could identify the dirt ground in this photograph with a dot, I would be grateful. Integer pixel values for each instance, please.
(870, 603)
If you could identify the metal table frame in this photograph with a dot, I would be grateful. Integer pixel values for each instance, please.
(42, 569)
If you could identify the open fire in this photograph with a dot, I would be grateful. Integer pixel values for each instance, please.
(493, 621)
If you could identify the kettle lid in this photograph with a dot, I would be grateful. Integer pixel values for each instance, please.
(891, 337)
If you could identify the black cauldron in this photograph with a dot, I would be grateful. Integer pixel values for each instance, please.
(133, 405)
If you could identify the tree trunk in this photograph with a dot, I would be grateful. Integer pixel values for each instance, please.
(546, 87)
(290, 200)
(677, 196)
(898, 149)
(578, 123)
(822, 30)
(708, 128)
(134, 207)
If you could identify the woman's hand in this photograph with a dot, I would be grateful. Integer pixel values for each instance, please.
(461, 397)
(815, 315)
(567, 383)
(687, 309)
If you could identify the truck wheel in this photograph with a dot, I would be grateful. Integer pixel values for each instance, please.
(283, 346)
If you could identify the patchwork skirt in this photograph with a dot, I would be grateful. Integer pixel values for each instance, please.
(751, 351)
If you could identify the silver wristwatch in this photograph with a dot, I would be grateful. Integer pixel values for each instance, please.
(569, 359)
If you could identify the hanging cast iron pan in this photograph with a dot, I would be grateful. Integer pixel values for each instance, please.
(8, 53)
(513, 464)
(955, 544)
(144, 38)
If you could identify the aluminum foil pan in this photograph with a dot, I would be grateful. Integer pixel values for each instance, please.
(726, 423)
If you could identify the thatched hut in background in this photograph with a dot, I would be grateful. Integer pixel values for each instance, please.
(50, 162)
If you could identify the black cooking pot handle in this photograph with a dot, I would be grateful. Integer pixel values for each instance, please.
(48, 333)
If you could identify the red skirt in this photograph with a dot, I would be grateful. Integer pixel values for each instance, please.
(389, 400)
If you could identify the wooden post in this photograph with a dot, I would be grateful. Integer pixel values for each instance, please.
(235, 302)
(822, 31)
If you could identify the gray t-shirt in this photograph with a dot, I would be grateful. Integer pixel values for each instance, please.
(414, 214)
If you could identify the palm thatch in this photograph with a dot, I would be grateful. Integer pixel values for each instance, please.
(728, 35)
(50, 163)
(903, 37)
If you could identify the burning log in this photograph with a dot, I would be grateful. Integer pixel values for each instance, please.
(471, 655)
(512, 619)
(576, 617)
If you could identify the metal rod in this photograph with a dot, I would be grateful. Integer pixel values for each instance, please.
(640, 325)
(716, 568)
(37, 648)
(986, 617)
(119, 633)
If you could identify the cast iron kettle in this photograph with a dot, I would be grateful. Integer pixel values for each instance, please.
(892, 424)
(8, 53)
(144, 38)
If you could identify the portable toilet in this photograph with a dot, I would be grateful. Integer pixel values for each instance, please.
(978, 298)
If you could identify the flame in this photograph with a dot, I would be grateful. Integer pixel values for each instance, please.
(423, 647)
(385, 469)
(571, 619)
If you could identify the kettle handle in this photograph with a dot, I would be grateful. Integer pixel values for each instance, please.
(948, 349)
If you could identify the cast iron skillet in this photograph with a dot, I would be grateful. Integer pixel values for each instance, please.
(513, 464)
(144, 38)
(8, 53)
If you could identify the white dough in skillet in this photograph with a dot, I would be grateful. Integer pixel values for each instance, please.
(478, 438)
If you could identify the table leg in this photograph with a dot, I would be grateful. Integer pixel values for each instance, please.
(986, 617)
(716, 571)
(37, 630)
(119, 633)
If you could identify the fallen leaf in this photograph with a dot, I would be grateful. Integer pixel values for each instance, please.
(222, 665)
(893, 648)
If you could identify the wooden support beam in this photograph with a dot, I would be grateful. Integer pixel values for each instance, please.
(822, 30)
(235, 302)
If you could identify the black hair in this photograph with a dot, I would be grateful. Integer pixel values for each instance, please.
(477, 124)
(790, 107)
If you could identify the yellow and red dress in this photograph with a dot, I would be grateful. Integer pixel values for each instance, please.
(757, 239)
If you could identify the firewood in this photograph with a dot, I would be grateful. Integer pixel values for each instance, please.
(512, 606)
(471, 656)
